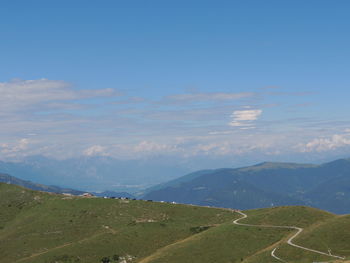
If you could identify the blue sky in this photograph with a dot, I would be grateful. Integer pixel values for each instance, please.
(258, 80)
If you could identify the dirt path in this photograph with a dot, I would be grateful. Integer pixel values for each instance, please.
(289, 241)
(274, 256)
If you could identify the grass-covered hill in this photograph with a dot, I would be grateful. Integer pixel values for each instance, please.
(38, 227)
(325, 186)
(232, 243)
(42, 227)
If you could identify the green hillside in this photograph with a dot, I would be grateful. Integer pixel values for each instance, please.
(226, 243)
(57, 228)
(300, 216)
(38, 227)
(232, 243)
(311, 220)
(339, 239)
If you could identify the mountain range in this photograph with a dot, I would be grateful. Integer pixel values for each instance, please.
(8, 179)
(94, 173)
(325, 186)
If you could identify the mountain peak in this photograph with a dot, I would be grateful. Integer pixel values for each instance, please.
(276, 165)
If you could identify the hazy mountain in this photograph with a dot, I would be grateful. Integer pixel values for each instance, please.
(176, 181)
(113, 194)
(94, 173)
(332, 195)
(8, 179)
(326, 186)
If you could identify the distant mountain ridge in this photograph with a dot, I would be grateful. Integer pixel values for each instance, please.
(326, 186)
(94, 173)
(8, 179)
(113, 194)
(176, 181)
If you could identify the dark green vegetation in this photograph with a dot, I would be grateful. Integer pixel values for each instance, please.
(38, 227)
(325, 186)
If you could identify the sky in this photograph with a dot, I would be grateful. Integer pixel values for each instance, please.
(222, 80)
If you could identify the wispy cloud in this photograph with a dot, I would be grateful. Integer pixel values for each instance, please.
(210, 96)
(12, 149)
(41, 94)
(285, 93)
(56, 119)
(244, 118)
(326, 144)
(95, 150)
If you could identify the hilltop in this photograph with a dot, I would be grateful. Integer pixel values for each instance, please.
(38, 227)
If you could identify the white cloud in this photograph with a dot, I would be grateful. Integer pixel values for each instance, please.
(21, 95)
(11, 149)
(246, 115)
(61, 123)
(151, 146)
(325, 144)
(244, 118)
(220, 132)
(95, 150)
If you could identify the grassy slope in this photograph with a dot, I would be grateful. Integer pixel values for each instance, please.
(231, 243)
(332, 234)
(54, 228)
(338, 241)
(300, 216)
(226, 243)
(90, 228)
(322, 230)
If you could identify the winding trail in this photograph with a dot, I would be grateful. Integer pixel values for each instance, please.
(274, 256)
(289, 241)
